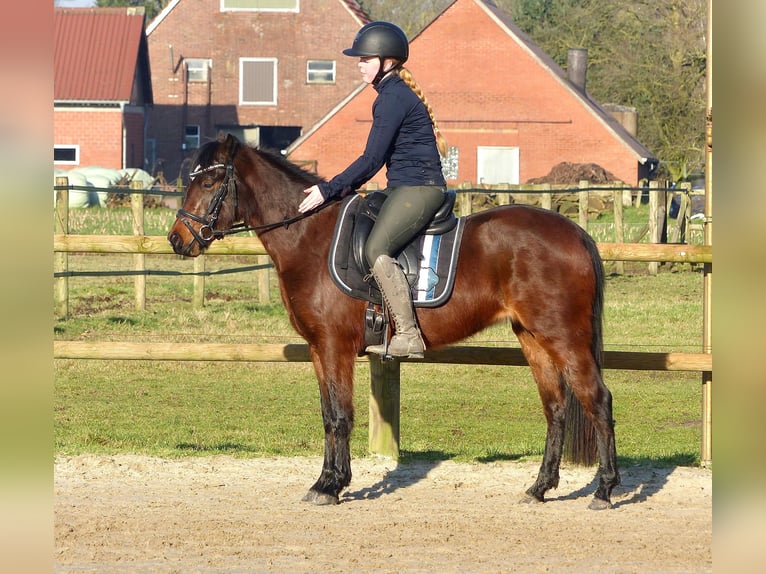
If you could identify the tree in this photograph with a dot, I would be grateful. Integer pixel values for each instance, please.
(646, 54)
(151, 7)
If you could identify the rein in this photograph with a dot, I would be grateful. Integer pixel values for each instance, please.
(207, 232)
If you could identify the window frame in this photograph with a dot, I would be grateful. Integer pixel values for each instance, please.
(206, 65)
(255, 8)
(275, 65)
(192, 137)
(75, 147)
(332, 72)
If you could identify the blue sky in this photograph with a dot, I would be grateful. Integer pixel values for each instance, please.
(74, 3)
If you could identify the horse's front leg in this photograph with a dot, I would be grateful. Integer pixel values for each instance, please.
(336, 394)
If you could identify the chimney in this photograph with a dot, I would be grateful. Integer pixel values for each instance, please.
(577, 67)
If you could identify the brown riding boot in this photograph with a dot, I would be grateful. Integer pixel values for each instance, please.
(407, 341)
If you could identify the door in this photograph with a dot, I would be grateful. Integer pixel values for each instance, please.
(498, 164)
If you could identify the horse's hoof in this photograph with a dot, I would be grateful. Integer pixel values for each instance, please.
(320, 498)
(530, 500)
(599, 504)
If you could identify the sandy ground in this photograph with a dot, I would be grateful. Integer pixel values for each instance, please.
(139, 514)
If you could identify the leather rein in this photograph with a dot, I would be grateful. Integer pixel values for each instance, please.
(207, 232)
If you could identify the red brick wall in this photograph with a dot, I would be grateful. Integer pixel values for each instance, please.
(197, 29)
(486, 90)
(98, 132)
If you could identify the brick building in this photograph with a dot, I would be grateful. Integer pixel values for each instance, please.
(102, 87)
(264, 71)
(508, 111)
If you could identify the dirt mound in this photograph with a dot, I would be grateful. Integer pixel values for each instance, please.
(566, 172)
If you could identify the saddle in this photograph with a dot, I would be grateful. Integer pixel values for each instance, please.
(429, 260)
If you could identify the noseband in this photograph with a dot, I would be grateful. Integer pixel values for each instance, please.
(207, 232)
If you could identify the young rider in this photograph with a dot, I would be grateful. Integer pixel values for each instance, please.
(405, 138)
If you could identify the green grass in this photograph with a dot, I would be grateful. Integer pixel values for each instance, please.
(261, 409)
(461, 412)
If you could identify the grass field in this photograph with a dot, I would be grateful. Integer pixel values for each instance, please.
(447, 411)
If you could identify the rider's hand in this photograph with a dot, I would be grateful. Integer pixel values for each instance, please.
(313, 199)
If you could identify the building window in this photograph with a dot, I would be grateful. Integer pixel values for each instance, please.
(66, 155)
(191, 137)
(197, 69)
(320, 71)
(260, 5)
(450, 163)
(258, 81)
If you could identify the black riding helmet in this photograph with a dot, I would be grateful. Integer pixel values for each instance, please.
(381, 39)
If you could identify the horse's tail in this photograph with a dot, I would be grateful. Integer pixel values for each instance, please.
(580, 435)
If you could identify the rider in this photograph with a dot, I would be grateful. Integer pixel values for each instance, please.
(404, 136)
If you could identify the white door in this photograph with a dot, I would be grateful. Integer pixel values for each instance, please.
(497, 164)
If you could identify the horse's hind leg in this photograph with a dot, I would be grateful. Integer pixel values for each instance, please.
(552, 394)
(596, 400)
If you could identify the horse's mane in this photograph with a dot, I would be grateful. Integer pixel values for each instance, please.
(292, 170)
(206, 156)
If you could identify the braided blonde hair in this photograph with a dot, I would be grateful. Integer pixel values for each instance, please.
(406, 76)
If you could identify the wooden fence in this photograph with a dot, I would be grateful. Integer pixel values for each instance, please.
(385, 375)
(543, 194)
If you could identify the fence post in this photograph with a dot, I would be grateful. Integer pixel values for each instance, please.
(61, 261)
(139, 259)
(383, 433)
(465, 199)
(656, 218)
(198, 297)
(264, 280)
(546, 200)
(582, 203)
(619, 231)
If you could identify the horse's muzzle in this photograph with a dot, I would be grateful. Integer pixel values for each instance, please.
(177, 242)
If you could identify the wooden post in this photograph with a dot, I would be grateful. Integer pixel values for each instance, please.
(546, 200)
(139, 259)
(503, 198)
(619, 231)
(384, 407)
(264, 280)
(656, 215)
(198, 297)
(582, 201)
(707, 270)
(61, 260)
(465, 199)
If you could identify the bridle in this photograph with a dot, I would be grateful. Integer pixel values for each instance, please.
(207, 232)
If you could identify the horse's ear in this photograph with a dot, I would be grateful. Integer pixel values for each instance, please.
(229, 142)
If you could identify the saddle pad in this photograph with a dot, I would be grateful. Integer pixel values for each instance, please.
(429, 262)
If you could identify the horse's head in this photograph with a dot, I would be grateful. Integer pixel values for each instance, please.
(210, 203)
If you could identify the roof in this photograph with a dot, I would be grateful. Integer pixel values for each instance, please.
(98, 53)
(351, 5)
(643, 155)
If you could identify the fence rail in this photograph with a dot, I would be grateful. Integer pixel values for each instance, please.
(299, 352)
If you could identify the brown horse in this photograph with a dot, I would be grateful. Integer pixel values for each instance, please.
(529, 266)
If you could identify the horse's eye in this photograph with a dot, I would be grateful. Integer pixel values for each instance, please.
(207, 183)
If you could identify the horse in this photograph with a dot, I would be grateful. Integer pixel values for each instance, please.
(530, 266)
